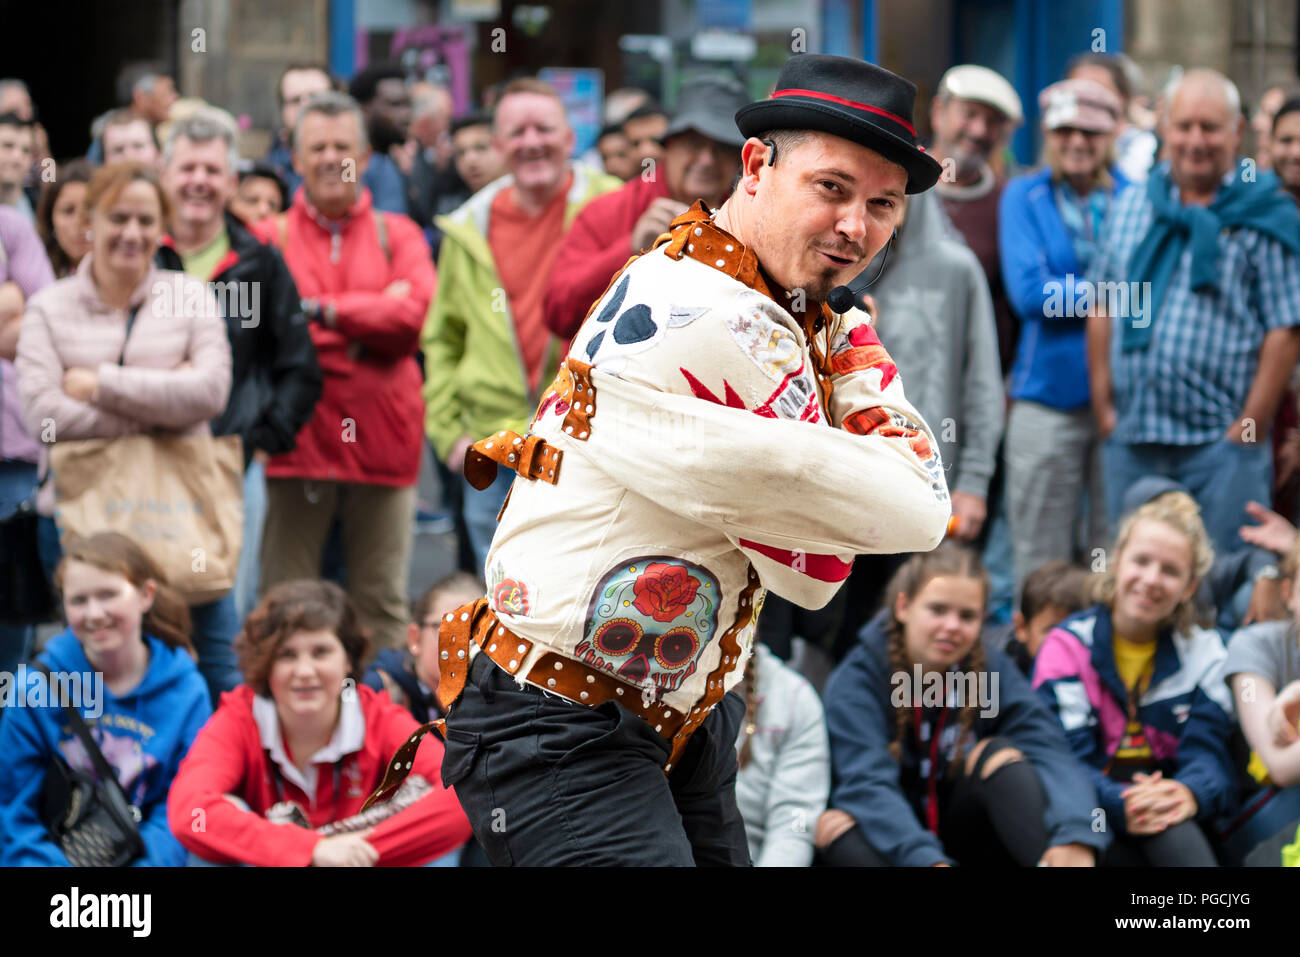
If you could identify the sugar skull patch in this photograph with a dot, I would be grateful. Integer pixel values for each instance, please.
(649, 620)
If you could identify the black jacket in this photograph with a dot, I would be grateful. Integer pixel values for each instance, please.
(275, 379)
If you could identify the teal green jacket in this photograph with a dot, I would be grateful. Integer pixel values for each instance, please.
(475, 383)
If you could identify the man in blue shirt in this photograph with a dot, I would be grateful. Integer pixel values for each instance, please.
(386, 102)
(1193, 335)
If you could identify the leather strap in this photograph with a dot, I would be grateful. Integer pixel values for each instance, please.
(528, 455)
(582, 400)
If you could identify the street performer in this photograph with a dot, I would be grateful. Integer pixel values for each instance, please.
(716, 431)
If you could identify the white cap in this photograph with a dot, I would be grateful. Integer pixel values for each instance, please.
(978, 83)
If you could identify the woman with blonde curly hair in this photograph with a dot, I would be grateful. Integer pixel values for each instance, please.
(941, 753)
(1139, 687)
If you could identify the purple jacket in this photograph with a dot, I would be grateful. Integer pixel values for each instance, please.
(22, 260)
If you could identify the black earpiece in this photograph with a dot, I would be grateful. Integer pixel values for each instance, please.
(771, 152)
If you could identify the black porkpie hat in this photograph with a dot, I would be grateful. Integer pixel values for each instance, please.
(858, 101)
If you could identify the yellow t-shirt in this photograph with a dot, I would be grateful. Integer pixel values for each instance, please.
(1135, 661)
(201, 263)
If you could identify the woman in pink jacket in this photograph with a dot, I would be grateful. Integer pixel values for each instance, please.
(121, 347)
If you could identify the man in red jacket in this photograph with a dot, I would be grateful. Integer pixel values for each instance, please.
(701, 160)
(366, 279)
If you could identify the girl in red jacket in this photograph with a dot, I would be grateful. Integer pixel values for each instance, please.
(302, 740)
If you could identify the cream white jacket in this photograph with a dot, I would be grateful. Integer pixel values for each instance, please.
(713, 467)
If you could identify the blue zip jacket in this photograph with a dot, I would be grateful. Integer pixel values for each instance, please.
(881, 793)
(1051, 365)
(165, 711)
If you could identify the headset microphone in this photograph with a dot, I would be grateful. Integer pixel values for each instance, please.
(843, 298)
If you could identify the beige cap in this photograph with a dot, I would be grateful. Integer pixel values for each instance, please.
(979, 83)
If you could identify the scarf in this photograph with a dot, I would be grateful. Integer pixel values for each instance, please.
(1257, 205)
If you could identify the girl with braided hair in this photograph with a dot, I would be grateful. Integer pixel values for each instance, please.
(940, 751)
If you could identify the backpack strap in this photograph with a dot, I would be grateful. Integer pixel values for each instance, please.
(381, 229)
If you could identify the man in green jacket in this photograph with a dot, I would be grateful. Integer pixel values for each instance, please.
(487, 352)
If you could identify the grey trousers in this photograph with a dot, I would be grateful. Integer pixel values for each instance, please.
(1053, 467)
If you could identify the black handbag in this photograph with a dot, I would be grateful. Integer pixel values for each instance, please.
(25, 595)
(92, 821)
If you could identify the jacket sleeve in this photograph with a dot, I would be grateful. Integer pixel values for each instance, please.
(295, 372)
(1059, 682)
(174, 398)
(983, 402)
(1022, 249)
(28, 265)
(216, 829)
(866, 776)
(799, 785)
(443, 343)
(433, 825)
(24, 840)
(1204, 760)
(806, 488)
(1071, 795)
(587, 261)
(161, 847)
(40, 383)
(390, 325)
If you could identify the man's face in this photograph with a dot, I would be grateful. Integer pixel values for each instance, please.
(477, 160)
(198, 181)
(821, 212)
(156, 104)
(1284, 148)
(644, 133)
(328, 157)
(968, 131)
(616, 154)
(1203, 135)
(533, 137)
(15, 154)
(130, 141)
(296, 88)
(390, 111)
(700, 168)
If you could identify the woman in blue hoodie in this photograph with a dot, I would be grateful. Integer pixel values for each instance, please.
(1049, 223)
(139, 689)
(941, 753)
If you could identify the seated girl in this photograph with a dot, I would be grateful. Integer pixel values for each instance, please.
(302, 741)
(1138, 687)
(125, 624)
(785, 763)
(1263, 670)
(940, 751)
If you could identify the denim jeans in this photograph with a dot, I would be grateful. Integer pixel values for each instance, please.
(480, 511)
(547, 782)
(1221, 476)
(215, 625)
(249, 574)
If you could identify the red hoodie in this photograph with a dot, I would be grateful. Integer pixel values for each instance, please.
(593, 250)
(229, 756)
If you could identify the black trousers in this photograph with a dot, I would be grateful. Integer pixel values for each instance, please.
(985, 822)
(546, 782)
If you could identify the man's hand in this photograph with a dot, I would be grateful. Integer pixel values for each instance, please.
(456, 457)
(655, 220)
(1069, 855)
(404, 156)
(1104, 412)
(344, 850)
(398, 289)
(970, 511)
(1284, 715)
(80, 383)
(1273, 532)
